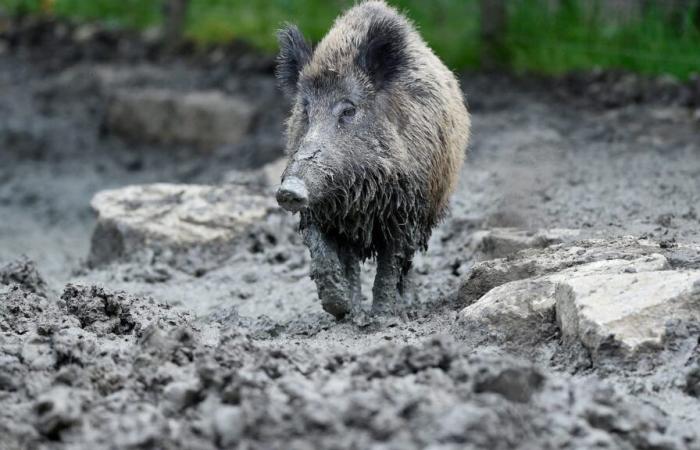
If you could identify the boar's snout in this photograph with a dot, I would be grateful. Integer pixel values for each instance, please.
(292, 195)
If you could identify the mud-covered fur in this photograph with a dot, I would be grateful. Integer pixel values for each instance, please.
(380, 171)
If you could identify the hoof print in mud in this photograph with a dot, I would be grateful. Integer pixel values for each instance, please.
(368, 186)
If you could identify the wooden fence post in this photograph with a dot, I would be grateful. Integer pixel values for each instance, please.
(494, 21)
(175, 12)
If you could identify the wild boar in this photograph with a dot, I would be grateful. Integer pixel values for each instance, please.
(376, 138)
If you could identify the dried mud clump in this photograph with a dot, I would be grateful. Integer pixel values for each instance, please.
(24, 273)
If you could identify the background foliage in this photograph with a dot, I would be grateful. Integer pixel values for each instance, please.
(544, 36)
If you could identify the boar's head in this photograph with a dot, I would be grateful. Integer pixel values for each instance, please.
(342, 136)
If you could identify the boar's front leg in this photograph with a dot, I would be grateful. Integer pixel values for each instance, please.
(388, 290)
(335, 271)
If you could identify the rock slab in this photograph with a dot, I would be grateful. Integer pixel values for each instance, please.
(186, 226)
(628, 312)
(532, 262)
(503, 242)
(204, 118)
(523, 309)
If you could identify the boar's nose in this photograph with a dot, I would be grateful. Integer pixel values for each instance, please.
(292, 194)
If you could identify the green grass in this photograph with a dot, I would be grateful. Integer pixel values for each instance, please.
(573, 38)
(578, 35)
(448, 25)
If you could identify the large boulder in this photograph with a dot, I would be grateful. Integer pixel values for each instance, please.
(187, 226)
(205, 118)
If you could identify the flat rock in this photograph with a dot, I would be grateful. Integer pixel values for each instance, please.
(205, 118)
(626, 313)
(524, 309)
(502, 242)
(528, 263)
(186, 226)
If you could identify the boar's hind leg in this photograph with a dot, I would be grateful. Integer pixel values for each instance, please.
(336, 273)
(387, 291)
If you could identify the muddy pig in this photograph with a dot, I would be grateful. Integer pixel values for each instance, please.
(376, 138)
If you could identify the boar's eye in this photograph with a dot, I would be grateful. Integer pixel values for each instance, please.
(346, 112)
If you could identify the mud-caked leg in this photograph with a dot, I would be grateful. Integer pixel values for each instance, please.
(386, 292)
(336, 273)
(407, 288)
(351, 267)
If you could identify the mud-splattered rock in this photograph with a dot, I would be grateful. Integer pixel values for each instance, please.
(626, 313)
(503, 242)
(514, 311)
(528, 263)
(525, 309)
(206, 118)
(191, 227)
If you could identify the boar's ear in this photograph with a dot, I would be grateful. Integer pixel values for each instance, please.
(295, 53)
(382, 55)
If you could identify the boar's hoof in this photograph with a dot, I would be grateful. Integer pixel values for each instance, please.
(338, 306)
(292, 194)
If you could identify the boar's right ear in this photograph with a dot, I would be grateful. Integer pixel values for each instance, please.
(295, 53)
(382, 55)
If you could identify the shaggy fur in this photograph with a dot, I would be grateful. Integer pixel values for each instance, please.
(379, 180)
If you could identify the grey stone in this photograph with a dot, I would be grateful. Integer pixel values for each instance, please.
(520, 309)
(186, 226)
(502, 242)
(105, 79)
(528, 263)
(628, 312)
(205, 118)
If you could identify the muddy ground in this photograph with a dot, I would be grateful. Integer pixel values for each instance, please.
(138, 355)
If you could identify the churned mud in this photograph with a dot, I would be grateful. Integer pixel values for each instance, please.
(138, 353)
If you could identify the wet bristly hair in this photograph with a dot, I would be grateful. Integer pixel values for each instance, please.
(385, 184)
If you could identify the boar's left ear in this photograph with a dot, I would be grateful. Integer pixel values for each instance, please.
(295, 53)
(382, 55)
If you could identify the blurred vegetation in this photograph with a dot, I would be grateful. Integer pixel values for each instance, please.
(544, 36)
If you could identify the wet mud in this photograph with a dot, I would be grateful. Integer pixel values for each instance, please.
(141, 354)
